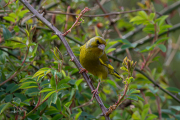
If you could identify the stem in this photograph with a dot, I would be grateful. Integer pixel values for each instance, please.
(75, 60)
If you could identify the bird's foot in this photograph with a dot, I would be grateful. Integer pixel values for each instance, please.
(83, 70)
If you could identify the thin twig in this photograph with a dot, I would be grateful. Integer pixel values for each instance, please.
(77, 20)
(99, 15)
(75, 60)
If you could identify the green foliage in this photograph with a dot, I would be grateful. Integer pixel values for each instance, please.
(39, 81)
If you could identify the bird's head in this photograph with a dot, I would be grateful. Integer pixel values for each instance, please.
(97, 42)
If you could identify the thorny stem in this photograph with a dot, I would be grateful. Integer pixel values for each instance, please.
(75, 60)
(77, 19)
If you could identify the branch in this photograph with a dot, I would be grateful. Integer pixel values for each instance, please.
(139, 28)
(99, 15)
(148, 38)
(75, 60)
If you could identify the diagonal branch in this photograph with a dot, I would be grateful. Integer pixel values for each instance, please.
(75, 60)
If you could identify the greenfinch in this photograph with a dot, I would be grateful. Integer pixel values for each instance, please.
(94, 59)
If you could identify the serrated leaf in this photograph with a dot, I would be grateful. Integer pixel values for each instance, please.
(54, 98)
(111, 82)
(175, 108)
(78, 82)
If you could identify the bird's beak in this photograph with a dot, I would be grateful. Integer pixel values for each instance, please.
(101, 46)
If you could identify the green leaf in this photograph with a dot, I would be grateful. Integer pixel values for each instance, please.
(173, 89)
(110, 50)
(8, 98)
(162, 47)
(22, 12)
(58, 104)
(136, 116)
(143, 14)
(77, 115)
(161, 40)
(144, 113)
(11, 19)
(111, 82)
(125, 46)
(124, 41)
(34, 50)
(16, 28)
(78, 82)
(132, 97)
(53, 82)
(48, 95)
(151, 17)
(54, 98)
(62, 86)
(68, 104)
(42, 72)
(6, 33)
(46, 90)
(4, 107)
(175, 108)
(57, 117)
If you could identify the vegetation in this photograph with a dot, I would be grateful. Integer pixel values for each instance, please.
(39, 66)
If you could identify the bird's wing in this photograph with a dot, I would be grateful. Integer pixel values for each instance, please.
(104, 61)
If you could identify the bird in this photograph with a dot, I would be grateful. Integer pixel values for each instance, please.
(95, 61)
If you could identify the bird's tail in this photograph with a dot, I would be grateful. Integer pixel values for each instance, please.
(116, 74)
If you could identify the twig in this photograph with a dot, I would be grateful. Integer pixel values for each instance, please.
(77, 20)
(75, 60)
(99, 15)
(67, 17)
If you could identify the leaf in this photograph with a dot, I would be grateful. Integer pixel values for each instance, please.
(8, 98)
(175, 108)
(132, 98)
(173, 89)
(125, 46)
(58, 104)
(8, 18)
(4, 107)
(136, 116)
(143, 14)
(53, 82)
(34, 50)
(161, 40)
(111, 82)
(124, 41)
(110, 50)
(22, 12)
(6, 33)
(46, 90)
(77, 115)
(144, 113)
(54, 98)
(78, 82)
(57, 117)
(62, 86)
(162, 47)
(48, 95)
(42, 72)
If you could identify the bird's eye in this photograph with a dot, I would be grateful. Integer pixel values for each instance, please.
(98, 42)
